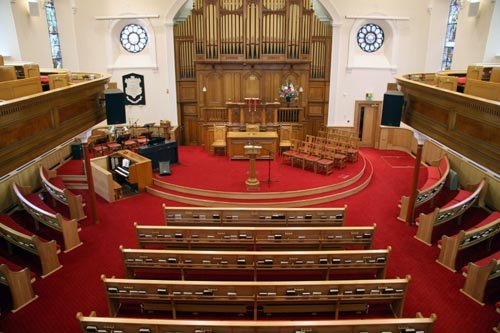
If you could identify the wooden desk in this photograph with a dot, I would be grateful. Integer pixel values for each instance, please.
(236, 141)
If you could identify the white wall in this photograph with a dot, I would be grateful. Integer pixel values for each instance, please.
(438, 11)
(9, 47)
(492, 52)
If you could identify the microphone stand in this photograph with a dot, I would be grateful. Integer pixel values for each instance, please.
(268, 165)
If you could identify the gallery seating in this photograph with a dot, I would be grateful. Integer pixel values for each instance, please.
(436, 178)
(257, 300)
(481, 276)
(255, 238)
(255, 265)
(54, 185)
(92, 323)
(19, 281)
(15, 235)
(451, 246)
(44, 214)
(463, 200)
(215, 216)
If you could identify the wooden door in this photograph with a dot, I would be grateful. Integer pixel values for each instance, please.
(367, 122)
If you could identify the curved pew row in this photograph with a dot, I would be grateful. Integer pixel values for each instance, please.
(255, 238)
(453, 209)
(452, 245)
(482, 274)
(46, 251)
(204, 216)
(256, 266)
(42, 213)
(255, 299)
(55, 186)
(19, 281)
(92, 324)
(436, 178)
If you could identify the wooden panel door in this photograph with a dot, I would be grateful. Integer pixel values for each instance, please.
(367, 122)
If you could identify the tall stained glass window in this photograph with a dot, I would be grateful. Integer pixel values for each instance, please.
(451, 30)
(55, 43)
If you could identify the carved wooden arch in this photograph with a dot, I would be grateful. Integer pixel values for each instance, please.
(214, 84)
(251, 85)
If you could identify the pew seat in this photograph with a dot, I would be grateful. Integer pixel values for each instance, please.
(44, 214)
(19, 281)
(455, 208)
(451, 246)
(55, 186)
(47, 251)
(497, 329)
(482, 274)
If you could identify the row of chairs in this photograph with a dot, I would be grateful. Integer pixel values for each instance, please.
(100, 145)
(320, 157)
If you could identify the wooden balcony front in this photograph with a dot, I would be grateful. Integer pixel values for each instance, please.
(467, 124)
(34, 124)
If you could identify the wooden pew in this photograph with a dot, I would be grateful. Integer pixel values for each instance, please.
(479, 274)
(54, 185)
(46, 251)
(205, 216)
(19, 281)
(483, 89)
(42, 213)
(256, 265)
(436, 178)
(453, 209)
(255, 298)
(255, 238)
(497, 329)
(452, 245)
(93, 324)
(20, 88)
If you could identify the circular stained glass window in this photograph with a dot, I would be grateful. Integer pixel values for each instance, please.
(133, 38)
(370, 37)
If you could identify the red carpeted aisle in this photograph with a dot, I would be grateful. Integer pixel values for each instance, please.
(77, 286)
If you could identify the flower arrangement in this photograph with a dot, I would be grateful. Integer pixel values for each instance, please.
(288, 92)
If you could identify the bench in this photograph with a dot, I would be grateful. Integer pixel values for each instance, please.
(452, 245)
(44, 214)
(55, 186)
(92, 324)
(46, 251)
(19, 281)
(436, 178)
(205, 216)
(255, 238)
(255, 265)
(479, 274)
(253, 298)
(453, 209)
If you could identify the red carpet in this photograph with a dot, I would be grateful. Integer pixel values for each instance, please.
(77, 286)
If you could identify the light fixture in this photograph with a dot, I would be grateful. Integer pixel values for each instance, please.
(204, 89)
(301, 90)
(33, 8)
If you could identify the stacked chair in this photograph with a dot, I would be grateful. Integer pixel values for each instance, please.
(324, 152)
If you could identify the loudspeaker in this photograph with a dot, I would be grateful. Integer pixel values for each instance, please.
(115, 106)
(33, 8)
(76, 151)
(164, 167)
(392, 108)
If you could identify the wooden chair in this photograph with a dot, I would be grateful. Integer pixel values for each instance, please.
(352, 150)
(7, 73)
(285, 137)
(325, 164)
(340, 157)
(219, 142)
(97, 145)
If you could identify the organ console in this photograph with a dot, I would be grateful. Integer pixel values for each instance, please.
(131, 170)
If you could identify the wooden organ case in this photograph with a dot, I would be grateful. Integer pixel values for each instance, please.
(229, 51)
(129, 168)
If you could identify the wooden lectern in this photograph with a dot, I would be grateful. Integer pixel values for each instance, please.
(252, 151)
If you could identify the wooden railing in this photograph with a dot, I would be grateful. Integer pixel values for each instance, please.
(290, 115)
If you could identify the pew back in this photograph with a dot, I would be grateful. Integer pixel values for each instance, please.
(19, 283)
(20, 88)
(255, 238)
(92, 323)
(260, 265)
(256, 298)
(254, 216)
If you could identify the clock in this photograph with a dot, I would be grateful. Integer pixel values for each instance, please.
(370, 37)
(133, 38)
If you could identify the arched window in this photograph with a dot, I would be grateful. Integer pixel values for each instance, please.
(55, 43)
(451, 30)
